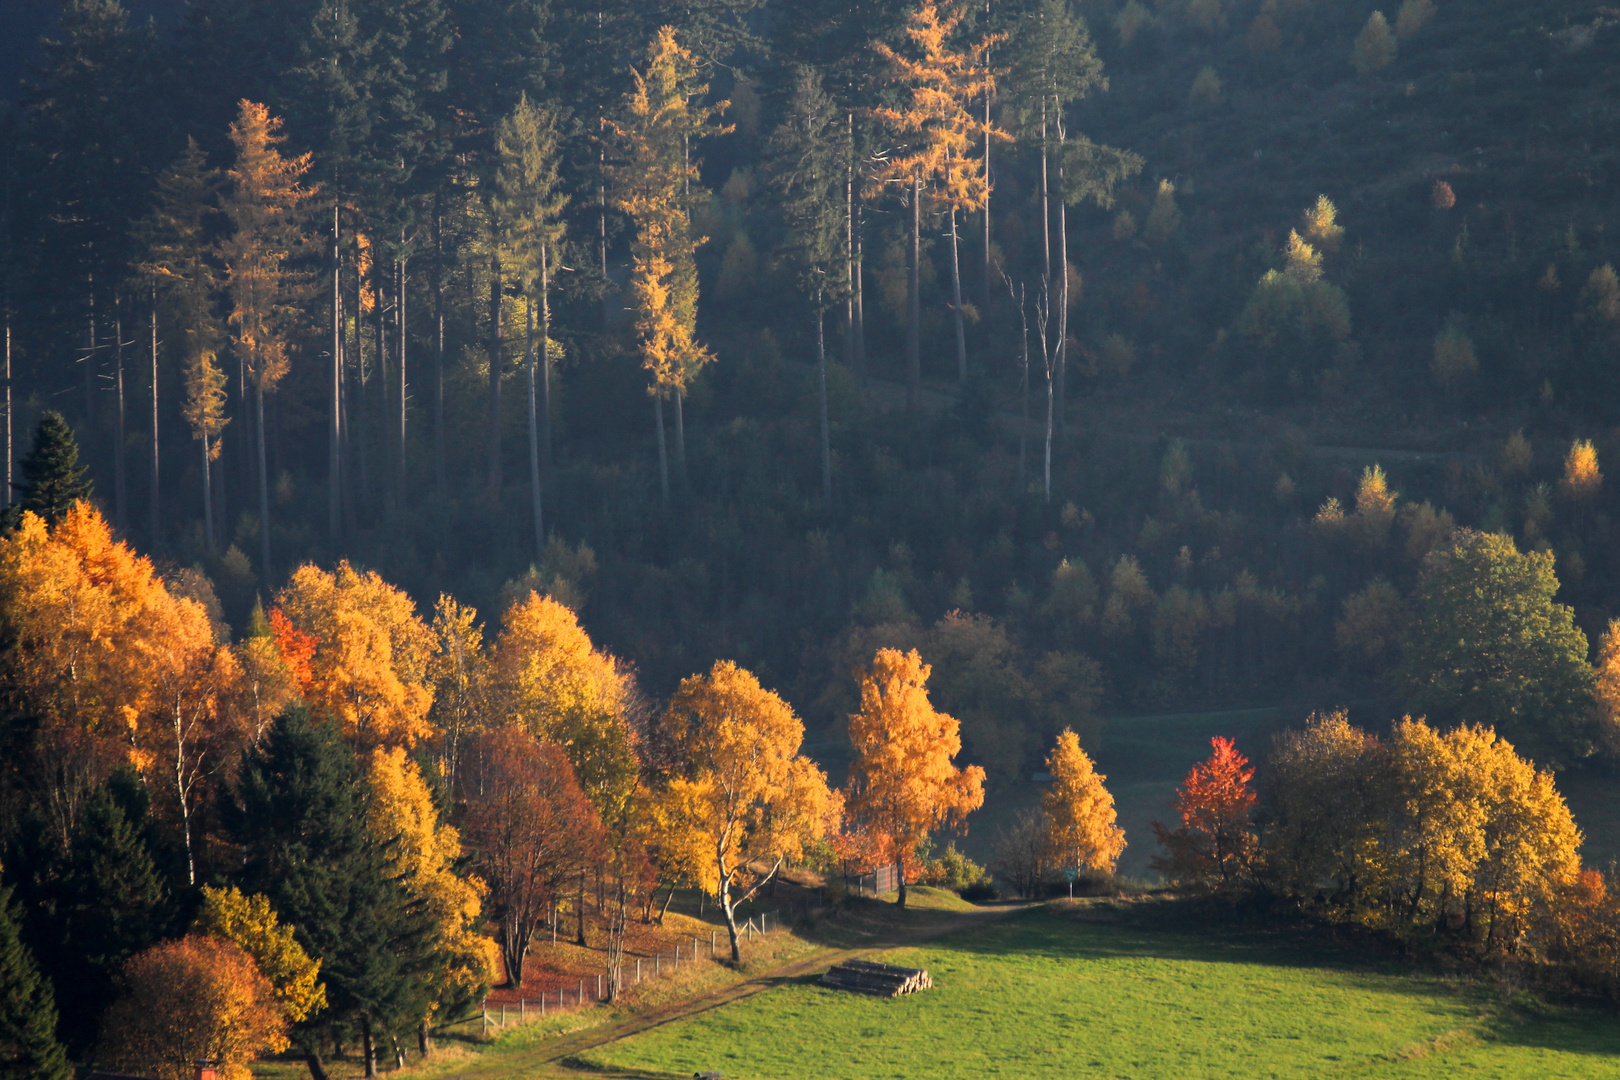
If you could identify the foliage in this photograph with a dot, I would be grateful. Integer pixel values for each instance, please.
(1489, 645)
(1454, 358)
(1082, 830)
(903, 781)
(743, 793)
(52, 478)
(28, 1046)
(1375, 46)
(250, 922)
(1022, 857)
(196, 999)
(1215, 847)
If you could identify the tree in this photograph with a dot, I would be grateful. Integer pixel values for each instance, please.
(1375, 46)
(1082, 829)
(532, 831)
(299, 818)
(52, 478)
(264, 206)
(559, 687)
(902, 780)
(369, 667)
(28, 1046)
(460, 673)
(252, 924)
(651, 180)
(1582, 478)
(1214, 847)
(528, 205)
(1022, 857)
(426, 854)
(1489, 645)
(743, 793)
(808, 152)
(196, 999)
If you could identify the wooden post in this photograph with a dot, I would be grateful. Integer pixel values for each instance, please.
(657, 970)
(503, 1014)
(712, 935)
(486, 1016)
(523, 1010)
(582, 991)
(542, 1004)
(599, 987)
(638, 971)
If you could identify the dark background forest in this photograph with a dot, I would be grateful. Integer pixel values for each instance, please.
(1183, 556)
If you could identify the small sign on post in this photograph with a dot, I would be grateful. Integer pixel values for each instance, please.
(1071, 872)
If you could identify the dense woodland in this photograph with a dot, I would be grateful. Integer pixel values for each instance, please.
(424, 390)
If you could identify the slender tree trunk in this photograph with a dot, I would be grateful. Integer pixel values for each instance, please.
(821, 394)
(208, 493)
(1023, 390)
(534, 439)
(5, 498)
(1046, 206)
(154, 491)
(494, 377)
(956, 304)
(1046, 467)
(317, 1068)
(663, 458)
(264, 488)
(120, 475)
(680, 436)
(579, 908)
(379, 404)
(860, 313)
(424, 1040)
(400, 269)
(90, 363)
(849, 251)
(914, 303)
(1063, 293)
(545, 359)
(601, 222)
(366, 1047)
(439, 484)
(984, 291)
(355, 402)
(334, 424)
(730, 910)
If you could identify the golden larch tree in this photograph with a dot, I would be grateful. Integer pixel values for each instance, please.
(743, 796)
(264, 207)
(1082, 830)
(903, 781)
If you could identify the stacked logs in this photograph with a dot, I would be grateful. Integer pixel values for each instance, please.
(879, 980)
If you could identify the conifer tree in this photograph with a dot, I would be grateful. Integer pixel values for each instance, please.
(529, 205)
(264, 208)
(28, 1046)
(300, 819)
(52, 478)
(808, 150)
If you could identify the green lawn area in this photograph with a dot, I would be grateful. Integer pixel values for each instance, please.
(1139, 991)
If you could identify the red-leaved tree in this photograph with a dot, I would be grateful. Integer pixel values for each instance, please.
(532, 829)
(1215, 846)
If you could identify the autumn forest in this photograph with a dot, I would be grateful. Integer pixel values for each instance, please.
(477, 470)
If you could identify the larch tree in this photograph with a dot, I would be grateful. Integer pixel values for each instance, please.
(903, 780)
(652, 177)
(1082, 830)
(179, 259)
(529, 205)
(743, 794)
(264, 206)
(809, 150)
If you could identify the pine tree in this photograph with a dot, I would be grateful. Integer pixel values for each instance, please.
(52, 478)
(808, 150)
(28, 1046)
(300, 819)
(528, 206)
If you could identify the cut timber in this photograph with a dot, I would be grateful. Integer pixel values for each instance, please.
(879, 980)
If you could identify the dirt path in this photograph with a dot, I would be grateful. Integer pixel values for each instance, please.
(557, 1057)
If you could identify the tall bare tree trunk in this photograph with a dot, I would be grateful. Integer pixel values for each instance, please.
(439, 485)
(208, 493)
(367, 1048)
(1063, 291)
(154, 491)
(821, 394)
(860, 312)
(534, 436)
(663, 457)
(1046, 206)
(984, 291)
(956, 303)
(5, 497)
(914, 303)
(850, 356)
(120, 476)
(680, 436)
(494, 377)
(334, 423)
(90, 363)
(400, 270)
(545, 359)
(264, 487)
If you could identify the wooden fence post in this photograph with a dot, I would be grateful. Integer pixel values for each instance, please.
(599, 987)
(523, 1010)
(581, 992)
(638, 971)
(485, 1009)
(713, 934)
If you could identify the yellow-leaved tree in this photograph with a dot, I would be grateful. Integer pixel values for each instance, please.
(1082, 830)
(369, 668)
(425, 852)
(742, 794)
(561, 688)
(461, 677)
(903, 781)
(252, 924)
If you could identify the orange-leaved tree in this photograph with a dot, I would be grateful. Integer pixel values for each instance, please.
(653, 176)
(903, 781)
(264, 207)
(199, 998)
(742, 794)
(1214, 848)
(251, 922)
(369, 667)
(533, 830)
(1082, 830)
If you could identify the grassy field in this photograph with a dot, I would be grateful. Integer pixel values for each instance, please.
(1137, 991)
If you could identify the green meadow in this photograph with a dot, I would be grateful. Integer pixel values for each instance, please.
(1142, 991)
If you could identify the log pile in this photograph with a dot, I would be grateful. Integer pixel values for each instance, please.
(879, 980)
